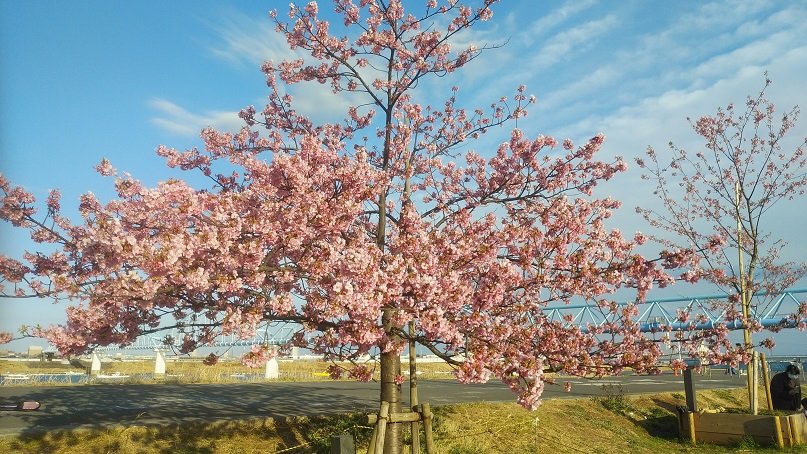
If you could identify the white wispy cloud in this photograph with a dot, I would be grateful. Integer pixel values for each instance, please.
(245, 39)
(655, 120)
(677, 57)
(555, 19)
(575, 40)
(318, 102)
(178, 120)
(639, 84)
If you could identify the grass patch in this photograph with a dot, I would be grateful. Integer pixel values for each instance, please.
(615, 423)
(193, 371)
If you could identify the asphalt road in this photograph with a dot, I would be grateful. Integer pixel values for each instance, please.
(89, 406)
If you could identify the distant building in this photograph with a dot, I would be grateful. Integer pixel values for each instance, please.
(34, 351)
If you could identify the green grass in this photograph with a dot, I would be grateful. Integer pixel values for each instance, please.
(618, 423)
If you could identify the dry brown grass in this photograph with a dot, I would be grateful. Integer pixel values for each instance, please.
(193, 371)
(615, 424)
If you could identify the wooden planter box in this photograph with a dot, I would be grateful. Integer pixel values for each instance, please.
(729, 428)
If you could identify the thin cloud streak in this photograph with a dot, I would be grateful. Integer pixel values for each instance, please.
(567, 44)
(243, 39)
(177, 120)
(555, 19)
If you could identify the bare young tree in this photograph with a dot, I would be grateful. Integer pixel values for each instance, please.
(717, 201)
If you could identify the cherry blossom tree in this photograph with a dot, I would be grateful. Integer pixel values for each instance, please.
(715, 202)
(356, 229)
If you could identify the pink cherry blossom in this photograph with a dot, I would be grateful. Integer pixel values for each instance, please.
(351, 230)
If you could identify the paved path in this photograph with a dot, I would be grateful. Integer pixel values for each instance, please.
(90, 406)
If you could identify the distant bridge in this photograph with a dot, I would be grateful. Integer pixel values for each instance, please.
(705, 312)
(274, 334)
(656, 315)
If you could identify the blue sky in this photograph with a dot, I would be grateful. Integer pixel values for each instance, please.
(84, 80)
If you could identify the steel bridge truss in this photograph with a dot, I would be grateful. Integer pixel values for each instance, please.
(704, 312)
(274, 334)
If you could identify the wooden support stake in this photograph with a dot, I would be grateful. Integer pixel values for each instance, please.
(373, 438)
(692, 435)
(396, 417)
(427, 427)
(795, 436)
(767, 381)
(755, 383)
(382, 427)
(777, 428)
(413, 387)
(415, 429)
(681, 416)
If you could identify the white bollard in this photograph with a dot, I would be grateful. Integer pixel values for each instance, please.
(95, 367)
(159, 362)
(271, 369)
(295, 353)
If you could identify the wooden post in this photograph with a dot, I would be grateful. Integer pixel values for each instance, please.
(393, 418)
(777, 428)
(745, 300)
(413, 388)
(795, 436)
(681, 416)
(767, 382)
(373, 438)
(382, 427)
(692, 435)
(384, 418)
(748, 386)
(427, 427)
(689, 390)
(755, 383)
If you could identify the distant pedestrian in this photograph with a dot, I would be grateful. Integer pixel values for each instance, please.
(786, 389)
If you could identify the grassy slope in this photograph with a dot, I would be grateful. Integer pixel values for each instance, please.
(644, 424)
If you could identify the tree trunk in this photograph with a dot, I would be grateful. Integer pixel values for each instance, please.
(390, 391)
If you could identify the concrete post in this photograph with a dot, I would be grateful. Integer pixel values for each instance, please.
(159, 362)
(342, 444)
(95, 367)
(271, 369)
(295, 353)
(689, 390)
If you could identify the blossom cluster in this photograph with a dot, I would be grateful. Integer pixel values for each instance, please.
(355, 236)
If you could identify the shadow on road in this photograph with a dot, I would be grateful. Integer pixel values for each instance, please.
(308, 434)
(102, 406)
